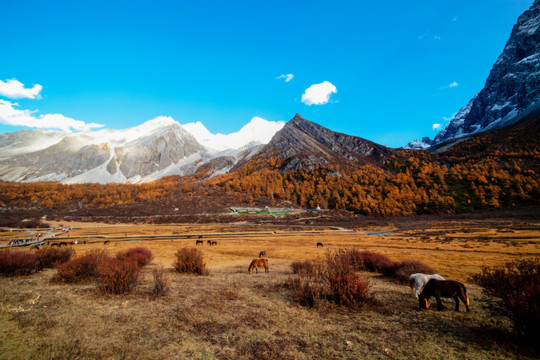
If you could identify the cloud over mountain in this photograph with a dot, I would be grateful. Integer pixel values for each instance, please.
(318, 94)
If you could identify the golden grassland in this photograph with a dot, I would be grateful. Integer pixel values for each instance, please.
(233, 315)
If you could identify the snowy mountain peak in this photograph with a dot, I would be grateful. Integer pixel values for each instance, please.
(257, 131)
(198, 131)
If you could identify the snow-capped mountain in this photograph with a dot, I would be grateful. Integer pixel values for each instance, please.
(154, 149)
(512, 87)
(258, 131)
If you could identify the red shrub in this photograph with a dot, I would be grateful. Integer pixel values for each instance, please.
(119, 276)
(53, 256)
(375, 262)
(142, 255)
(336, 280)
(306, 266)
(83, 268)
(15, 263)
(347, 287)
(403, 269)
(311, 287)
(513, 290)
(189, 260)
(161, 283)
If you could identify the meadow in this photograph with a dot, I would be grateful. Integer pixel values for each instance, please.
(231, 314)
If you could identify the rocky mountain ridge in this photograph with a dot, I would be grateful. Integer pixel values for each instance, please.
(513, 85)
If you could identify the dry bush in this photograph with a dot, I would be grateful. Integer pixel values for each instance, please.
(161, 283)
(513, 291)
(334, 280)
(190, 261)
(54, 256)
(403, 269)
(83, 268)
(118, 276)
(311, 287)
(17, 262)
(306, 266)
(347, 286)
(142, 255)
(375, 262)
(352, 257)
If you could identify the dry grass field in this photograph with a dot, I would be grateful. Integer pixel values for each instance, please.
(233, 315)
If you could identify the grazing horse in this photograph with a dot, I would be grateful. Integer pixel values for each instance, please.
(213, 243)
(63, 243)
(263, 254)
(209, 242)
(198, 242)
(106, 242)
(257, 263)
(319, 244)
(54, 244)
(200, 236)
(419, 280)
(443, 288)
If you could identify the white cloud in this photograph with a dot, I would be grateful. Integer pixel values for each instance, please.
(15, 89)
(436, 126)
(318, 94)
(454, 84)
(287, 77)
(454, 18)
(15, 117)
(436, 37)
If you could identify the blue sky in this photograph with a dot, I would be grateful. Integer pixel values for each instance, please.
(121, 63)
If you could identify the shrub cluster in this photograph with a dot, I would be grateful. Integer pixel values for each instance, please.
(83, 268)
(142, 255)
(336, 280)
(513, 290)
(119, 276)
(17, 262)
(348, 287)
(189, 260)
(306, 266)
(54, 256)
(374, 262)
(311, 288)
(161, 283)
(401, 270)
(115, 275)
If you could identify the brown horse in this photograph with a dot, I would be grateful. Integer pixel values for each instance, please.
(257, 263)
(263, 254)
(446, 289)
(213, 243)
(198, 242)
(319, 244)
(106, 242)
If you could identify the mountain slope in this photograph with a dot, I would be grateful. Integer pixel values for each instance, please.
(304, 144)
(513, 85)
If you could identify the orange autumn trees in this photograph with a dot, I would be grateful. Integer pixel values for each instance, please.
(411, 182)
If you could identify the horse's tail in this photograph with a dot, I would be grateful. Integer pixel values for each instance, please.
(466, 297)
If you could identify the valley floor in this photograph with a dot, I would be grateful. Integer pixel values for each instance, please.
(233, 315)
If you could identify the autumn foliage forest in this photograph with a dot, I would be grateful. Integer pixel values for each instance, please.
(491, 171)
